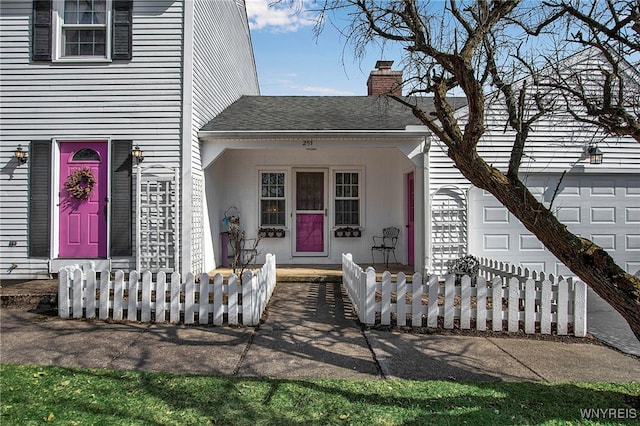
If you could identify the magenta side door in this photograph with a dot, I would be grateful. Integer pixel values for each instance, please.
(83, 222)
(310, 213)
(410, 217)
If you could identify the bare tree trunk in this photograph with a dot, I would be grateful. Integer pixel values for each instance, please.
(587, 260)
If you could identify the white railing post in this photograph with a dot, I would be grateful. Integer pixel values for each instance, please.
(449, 294)
(203, 311)
(401, 299)
(77, 290)
(514, 305)
(218, 294)
(385, 301)
(247, 301)
(161, 294)
(105, 287)
(63, 292)
(416, 301)
(580, 309)
(132, 307)
(90, 295)
(530, 307)
(174, 307)
(145, 300)
(432, 308)
(369, 311)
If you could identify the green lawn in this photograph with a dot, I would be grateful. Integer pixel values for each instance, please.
(39, 395)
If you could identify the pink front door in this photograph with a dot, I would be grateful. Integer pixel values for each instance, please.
(83, 218)
(310, 212)
(410, 217)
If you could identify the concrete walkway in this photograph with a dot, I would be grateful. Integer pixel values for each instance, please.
(607, 325)
(307, 332)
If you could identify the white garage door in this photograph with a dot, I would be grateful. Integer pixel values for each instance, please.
(605, 209)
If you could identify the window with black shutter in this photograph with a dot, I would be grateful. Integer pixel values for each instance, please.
(121, 198)
(122, 17)
(41, 31)
(81, 26)
(39, 223)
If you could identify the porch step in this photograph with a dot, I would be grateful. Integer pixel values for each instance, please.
(321, 273)
(40, 295)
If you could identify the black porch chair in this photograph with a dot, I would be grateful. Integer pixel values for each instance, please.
(386, 244)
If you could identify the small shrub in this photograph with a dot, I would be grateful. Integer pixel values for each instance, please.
(467, 265)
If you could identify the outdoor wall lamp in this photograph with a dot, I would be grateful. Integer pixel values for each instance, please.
(20, 154)
(595, 155)
(136, 152)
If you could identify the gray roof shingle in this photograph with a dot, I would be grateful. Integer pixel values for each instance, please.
(317, 113)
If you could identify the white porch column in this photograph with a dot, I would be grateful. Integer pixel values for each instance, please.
(422, 212)
(425, 217)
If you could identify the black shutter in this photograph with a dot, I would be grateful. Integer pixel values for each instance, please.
(121, 198)
(39, 198)
(122, 18)
(41, 31)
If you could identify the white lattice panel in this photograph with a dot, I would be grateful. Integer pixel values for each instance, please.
(158, 219)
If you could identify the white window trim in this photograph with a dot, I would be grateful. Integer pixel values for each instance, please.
(361, 195)
(286, 198)
(57, 39)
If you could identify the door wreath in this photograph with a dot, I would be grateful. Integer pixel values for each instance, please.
(80, 183)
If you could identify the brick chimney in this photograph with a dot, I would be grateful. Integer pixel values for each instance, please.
(383, 81)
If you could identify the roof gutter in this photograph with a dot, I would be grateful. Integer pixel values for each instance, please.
(415, 131)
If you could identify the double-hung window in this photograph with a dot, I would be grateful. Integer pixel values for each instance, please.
(347, 199)
(83, 28)
(272, 198)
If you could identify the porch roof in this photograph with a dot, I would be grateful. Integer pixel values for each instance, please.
(318, 113)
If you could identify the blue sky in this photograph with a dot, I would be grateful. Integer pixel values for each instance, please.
(291, 61)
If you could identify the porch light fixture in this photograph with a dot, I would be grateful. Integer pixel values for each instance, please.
(136, 152)
(595, 155)
(20, 154)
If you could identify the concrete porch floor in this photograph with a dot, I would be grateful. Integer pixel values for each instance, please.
(322, 273)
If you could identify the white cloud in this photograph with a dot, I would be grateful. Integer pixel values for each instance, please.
(281, 16)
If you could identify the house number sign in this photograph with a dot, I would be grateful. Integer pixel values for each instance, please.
(307, 142)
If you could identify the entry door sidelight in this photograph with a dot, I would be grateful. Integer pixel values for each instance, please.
(310, 213)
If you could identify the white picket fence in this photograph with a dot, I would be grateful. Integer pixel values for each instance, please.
(81, 295)
(504, 302)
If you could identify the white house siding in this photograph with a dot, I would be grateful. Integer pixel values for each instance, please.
(138, 99)
(556, 145)
(223, 69)
(235, 182)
